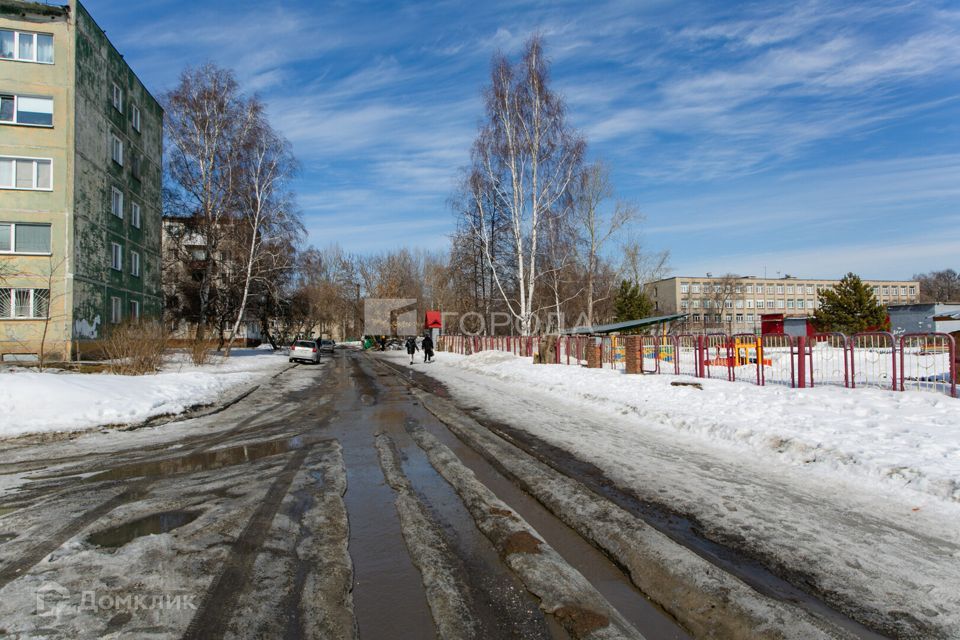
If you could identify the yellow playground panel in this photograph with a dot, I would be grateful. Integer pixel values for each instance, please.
(745, 352)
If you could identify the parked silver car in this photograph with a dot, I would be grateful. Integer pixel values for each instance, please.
(305, 351)
(327, 346)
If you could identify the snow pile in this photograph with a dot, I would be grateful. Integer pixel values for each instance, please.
(58, 401)
(909, 440)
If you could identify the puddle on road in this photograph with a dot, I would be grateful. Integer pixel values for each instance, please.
(206, 460)
(149, 525)
(7, 537)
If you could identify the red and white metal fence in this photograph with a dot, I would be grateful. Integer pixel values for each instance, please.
(915, 361)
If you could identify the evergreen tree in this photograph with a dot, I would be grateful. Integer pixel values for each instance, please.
(631, 303)
(850, 307)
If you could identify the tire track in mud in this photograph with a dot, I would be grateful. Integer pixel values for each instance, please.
(216, 609)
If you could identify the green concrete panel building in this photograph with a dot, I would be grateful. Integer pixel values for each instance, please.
(81, 145)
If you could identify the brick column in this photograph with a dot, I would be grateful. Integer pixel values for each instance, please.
(594, 356)
(633, 355)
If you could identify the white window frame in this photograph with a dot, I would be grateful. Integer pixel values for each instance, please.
(12, 302)
(13, 240)
(16, 110)
(116, 97)
(36, 173)
(116, 256)
(135, 215)
(135, 264)
(116, 196)
(135, 118)
(17, 34)
(116, 310)
(695, 288)
(116, 149)
(684, 288)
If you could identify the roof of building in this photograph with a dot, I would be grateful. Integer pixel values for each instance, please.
(786, 279)
(629, 324)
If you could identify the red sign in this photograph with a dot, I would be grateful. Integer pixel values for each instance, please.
(434, 320)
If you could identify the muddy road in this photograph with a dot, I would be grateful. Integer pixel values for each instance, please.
(329, 503)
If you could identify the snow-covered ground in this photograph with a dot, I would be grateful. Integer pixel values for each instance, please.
(857, 491)
(904, 440)
(62, 401)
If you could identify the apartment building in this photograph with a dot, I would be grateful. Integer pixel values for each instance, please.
(734, 303)
(80, 184)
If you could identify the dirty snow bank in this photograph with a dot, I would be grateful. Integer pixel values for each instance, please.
(908, 440)
(61, 401)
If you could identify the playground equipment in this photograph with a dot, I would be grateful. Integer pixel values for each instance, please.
(745, 351)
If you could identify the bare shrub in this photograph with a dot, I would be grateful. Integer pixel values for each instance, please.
(200, 351)
(136, 348)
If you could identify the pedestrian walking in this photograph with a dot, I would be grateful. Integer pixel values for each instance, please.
(411, 347)
(427, 346)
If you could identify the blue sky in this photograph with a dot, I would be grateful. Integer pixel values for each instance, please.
(809, 138)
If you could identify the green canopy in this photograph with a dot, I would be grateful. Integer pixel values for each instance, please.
(629, 324)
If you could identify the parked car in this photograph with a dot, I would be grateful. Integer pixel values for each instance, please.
(327, 346)
(305, 351)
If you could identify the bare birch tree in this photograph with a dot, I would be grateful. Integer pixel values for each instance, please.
(207, 123)
(592, 189)
(524, 159)
(266, 213)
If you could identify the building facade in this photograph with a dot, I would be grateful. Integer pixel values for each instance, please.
(81, 143)
(735, 304)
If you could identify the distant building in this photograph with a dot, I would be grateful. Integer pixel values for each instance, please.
(925, 317)
(735, 304)
(80, 181)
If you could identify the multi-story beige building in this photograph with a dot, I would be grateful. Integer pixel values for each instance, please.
(80, 183)
(736, 303)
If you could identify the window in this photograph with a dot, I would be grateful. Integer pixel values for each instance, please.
(26, 47)
(117, 97)
(779, 304)
(800, 304)
(876, 291)
(25, 173)
(716, 317)
(116, 257)
(913, 291)
(739, 318)
(706, 304)
(809, 289)
(749, 304)
(789, 288)
(759, 304)
(749, 317)
(729, 318)
(780, 288)
(739, 289)
(684, 288)
(135, 264)
(696, 317)
(769, 288)
(116, 149)
(739, 304)
(749, 288)
(135, 166)
(728, 304)
(134, 310)
(886, 291)
(695, 304)
(695, 288)
(27, 110)
(717, 288)
(20, 237)
(116, 310)
(24, 303)
(135, 118)
(683, 304)
(789, 304)
(903, 291)
(116, 202)
(135, 214)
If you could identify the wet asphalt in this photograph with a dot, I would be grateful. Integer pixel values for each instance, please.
(227, 514)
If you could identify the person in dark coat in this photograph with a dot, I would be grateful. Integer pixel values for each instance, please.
(411, 347)
(427, 346)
